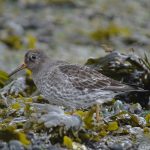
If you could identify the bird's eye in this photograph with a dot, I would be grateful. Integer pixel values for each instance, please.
(33, 57)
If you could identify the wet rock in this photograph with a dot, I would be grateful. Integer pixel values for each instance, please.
(140, 121)
(116, 146)
(14, 28)
(3, 145)
(15, 145)
(63, 30)
(15, 87)
(143, 144)
(78, 146)
(136, 131)
(118, 107)
(56, 117)
(135, 108)
(53, 116)
(41, 141)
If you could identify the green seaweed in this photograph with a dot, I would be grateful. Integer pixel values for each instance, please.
(111, 30)
(10, 133)
(67, 142)
(112, 126)
(13, 41)
(3, 78)
(31, 41)
(147, 118)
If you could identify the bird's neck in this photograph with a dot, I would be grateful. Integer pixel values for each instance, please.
(39, 67)
(42, 67)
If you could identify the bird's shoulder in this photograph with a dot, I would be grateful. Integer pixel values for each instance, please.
(82, 72)
(83, 77)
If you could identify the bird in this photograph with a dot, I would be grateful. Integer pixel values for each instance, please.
(73, 86)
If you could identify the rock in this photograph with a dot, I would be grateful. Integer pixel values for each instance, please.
(15, 145)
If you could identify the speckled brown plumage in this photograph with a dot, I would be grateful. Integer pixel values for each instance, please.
(72, 86)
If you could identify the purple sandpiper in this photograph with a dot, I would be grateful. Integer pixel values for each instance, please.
(72, 86)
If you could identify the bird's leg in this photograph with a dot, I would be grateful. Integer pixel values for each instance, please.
(99, 115)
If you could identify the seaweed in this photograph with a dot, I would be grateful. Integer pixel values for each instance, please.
(79, 128)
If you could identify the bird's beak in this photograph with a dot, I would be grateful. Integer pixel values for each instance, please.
(21, 67)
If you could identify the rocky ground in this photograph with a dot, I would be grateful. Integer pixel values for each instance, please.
(72, 30)
(75, 31)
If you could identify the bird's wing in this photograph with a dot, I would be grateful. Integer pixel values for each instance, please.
(85, 78)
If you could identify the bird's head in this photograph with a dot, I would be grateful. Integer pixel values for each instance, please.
(32, 61)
